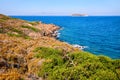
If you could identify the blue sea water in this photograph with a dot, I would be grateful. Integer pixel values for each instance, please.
(100, 33)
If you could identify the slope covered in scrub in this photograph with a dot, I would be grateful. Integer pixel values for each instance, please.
(29, 51)
(76, 65)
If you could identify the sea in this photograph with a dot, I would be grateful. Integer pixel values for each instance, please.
(99, 35)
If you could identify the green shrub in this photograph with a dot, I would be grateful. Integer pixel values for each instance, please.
(2, 20)
(83, 57)
(43, 52)
(116, 63)
(31, 28)
(87, 66)
(34, 23)
(1, 30)
(104, 75)
(16, 30)
(17, 33)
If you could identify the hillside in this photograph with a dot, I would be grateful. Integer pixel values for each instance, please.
(29, 51)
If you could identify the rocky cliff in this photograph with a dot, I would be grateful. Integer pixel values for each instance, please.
(23, 28)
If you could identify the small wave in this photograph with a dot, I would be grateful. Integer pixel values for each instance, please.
(58, 35)
(61, 28)
(79, 46)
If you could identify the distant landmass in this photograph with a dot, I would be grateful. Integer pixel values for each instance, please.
(79, 14)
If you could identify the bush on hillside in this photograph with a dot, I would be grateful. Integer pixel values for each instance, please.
(76, 66)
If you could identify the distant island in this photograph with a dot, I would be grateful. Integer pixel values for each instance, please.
(79, 15)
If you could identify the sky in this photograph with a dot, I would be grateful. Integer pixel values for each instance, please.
(59, 7)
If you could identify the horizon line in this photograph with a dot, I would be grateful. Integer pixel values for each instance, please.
(59, 15)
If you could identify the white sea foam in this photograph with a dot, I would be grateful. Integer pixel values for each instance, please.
(58, 33)
(79, 46)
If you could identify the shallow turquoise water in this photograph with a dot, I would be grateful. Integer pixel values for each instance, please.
(100, 34)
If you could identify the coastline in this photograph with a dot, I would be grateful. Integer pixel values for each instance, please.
(57, 35)
(31, 51)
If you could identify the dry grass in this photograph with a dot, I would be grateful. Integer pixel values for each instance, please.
(19, 52)
(12, 74)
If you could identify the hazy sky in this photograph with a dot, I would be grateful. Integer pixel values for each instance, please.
(59, 7)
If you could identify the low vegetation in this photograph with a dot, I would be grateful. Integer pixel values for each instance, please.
(34, 23)
(76, 66)
(14, 32)
(31, 28)
(19, 35)
(2, 17)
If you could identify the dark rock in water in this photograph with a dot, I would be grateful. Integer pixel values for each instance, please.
(55, 33)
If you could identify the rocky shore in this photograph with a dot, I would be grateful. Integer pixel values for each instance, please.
(32, 29)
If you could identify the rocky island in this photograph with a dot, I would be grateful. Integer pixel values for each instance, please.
(79, 15)
(30, 51)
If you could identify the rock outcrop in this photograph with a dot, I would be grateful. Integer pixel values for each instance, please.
(23, 28)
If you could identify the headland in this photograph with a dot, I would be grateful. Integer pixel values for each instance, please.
(30, 51)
